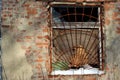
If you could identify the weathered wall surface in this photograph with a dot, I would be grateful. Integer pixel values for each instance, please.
(25, 41)
(112, 25)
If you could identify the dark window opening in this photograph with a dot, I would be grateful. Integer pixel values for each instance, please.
(75, 14)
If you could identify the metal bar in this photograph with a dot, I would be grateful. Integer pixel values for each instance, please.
(95, 56)
(89, 40)
(88, 25)
(50, 11)
(66, 38)
(70, 32)
(81, 30)
(75, 28)
(91, 34)
(77, 14)
(60, 65)
(95, 60)
(86, 35)
(57, 48)
(92, 45)
(102, 38)
(75, 32)
(67, 58)
(60, 46)
(96, 46)
(57, 57)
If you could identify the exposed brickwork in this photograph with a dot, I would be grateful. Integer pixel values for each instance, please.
(28, 24)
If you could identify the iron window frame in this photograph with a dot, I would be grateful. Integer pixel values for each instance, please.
(102, 54)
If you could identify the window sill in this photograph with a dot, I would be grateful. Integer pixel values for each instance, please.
(80, 71)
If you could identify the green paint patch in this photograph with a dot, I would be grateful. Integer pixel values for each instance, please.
(60, 65)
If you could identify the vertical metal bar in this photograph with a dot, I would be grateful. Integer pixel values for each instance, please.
(75, 26)
(81, 24)
(101, 37)
(66, 39)
(58, 60)
(92, 45)
(88, 26)
(94, 48)
(93, 56)
(50, 19)
(80, 41)
(59, 55)
(90, 38)
(75, 32)
(81, 29)
(60, 47)
(70, 31)
(60, 38)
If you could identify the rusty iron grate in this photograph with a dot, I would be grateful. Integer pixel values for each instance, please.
(76, 36)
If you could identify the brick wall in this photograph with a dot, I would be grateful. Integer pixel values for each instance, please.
(28, 27)
(26, 40)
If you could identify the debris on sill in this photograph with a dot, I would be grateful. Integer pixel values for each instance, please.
(86, 70)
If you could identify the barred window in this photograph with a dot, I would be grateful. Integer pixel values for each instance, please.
(76, 39)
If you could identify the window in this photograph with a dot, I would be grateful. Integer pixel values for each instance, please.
(76, 39)
(75, 14)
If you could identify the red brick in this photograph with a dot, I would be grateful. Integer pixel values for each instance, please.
(47, 37)
(27, 17)
(107, 21)
(10, 15)
(26, 5)
(4, 15)
(29, 23)
(39, 37)
(19, 40)
(90, 78)
(31, 11)
(109, 6)
(39, 56)
(45, 30)
(41, 43)
(38, 66)
(39, 60)
(115, 15)
(10, 8)
(28, 37)
(118, 30)
(28, 51)
(118, 19)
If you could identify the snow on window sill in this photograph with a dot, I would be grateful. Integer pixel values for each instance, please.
(80, 71)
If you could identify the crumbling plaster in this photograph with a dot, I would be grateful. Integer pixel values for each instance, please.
(25, 42)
